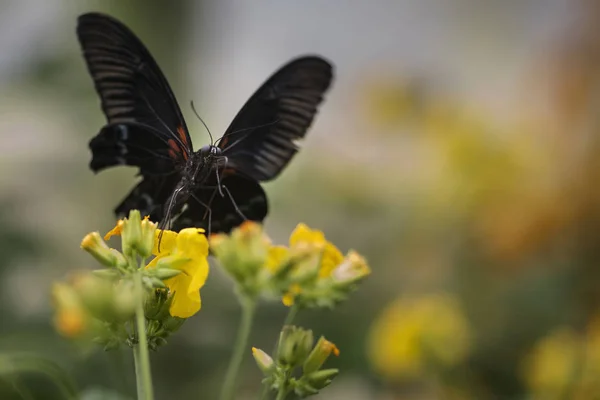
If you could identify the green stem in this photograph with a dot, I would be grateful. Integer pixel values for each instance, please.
(283, 390)
(241, 342)
(138, 373)
(141, 356)
(291, 315)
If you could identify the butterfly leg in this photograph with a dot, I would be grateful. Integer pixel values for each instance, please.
(235, 206)
(219, 185)
(208, 212)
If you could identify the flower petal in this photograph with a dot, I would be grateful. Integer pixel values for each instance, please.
(116, 231)
(192, 243)
(303, 233)
(331, 258)
(275, 257)
(167, 242)
(186, 305)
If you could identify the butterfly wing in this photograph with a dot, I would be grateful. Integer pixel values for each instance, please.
(263, 136)
(239, 192)
(145, 126)
(149, 196)
(144, 119)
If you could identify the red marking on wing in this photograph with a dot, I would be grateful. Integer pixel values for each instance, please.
(228, 171)
(224, 141)
(183, 136)
(175, 150)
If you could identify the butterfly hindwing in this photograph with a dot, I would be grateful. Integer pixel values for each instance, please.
(149, 197)
(264, 135)
(128, 144)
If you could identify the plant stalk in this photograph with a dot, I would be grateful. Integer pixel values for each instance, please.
(141, 355)
(241, 343)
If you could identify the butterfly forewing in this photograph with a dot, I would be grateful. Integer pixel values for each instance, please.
(133, 91)
(264, 135)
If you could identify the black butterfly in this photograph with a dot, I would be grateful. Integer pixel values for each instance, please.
(217, 187)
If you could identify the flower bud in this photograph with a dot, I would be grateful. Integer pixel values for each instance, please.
(319, 355)
(172, 324)
(294, 345)
(321, 379)
(123, 301)
(164, 273)
(93, 244)
(146, 242)
(353, 269)
(96, 295)
(155, 306)
(263, 360)
(157, 283)
(109, 274)
(132, 233)
(242, 253)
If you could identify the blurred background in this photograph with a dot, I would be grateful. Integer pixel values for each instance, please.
(458, 150)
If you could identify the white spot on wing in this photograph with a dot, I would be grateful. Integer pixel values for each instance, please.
(123, 132)
(297, 143)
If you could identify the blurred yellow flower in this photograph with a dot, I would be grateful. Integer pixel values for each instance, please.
(549, 369)
(188, 252)
(71, 318)
(565, 364)
(414, 336)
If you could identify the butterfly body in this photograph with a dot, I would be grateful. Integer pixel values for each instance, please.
(218, 186)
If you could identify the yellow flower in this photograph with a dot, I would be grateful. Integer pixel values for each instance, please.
(313, 267)
(353, 268)
(276, 257)
(410, 336)
(188, 252)
(303, 238)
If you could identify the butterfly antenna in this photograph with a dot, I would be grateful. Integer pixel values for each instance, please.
(246, 129)
(203, 123)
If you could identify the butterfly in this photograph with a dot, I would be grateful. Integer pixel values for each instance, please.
(218, 186)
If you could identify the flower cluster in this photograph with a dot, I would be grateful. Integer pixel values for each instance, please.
(101, 303)
(310, 272)
(141, 303)
(297, 350)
